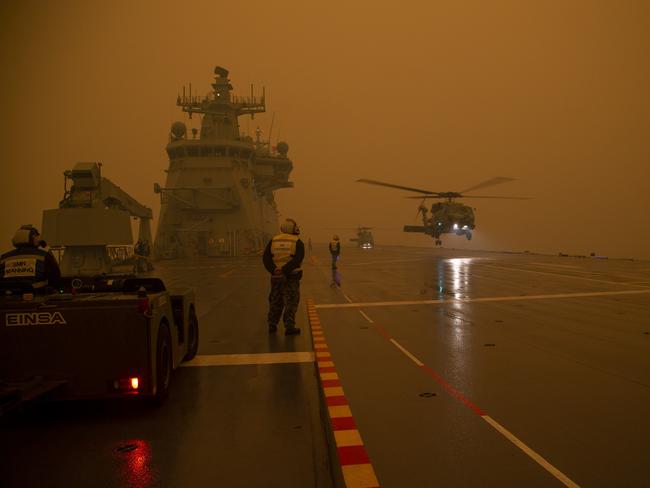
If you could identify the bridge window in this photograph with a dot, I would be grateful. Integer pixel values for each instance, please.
(207, 151)
(234, 152)
(192, 150)
(219, 151)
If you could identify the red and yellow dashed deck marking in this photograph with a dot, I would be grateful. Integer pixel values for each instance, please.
(353, 458)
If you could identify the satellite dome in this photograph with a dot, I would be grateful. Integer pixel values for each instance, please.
(283, 148)
(179, 130)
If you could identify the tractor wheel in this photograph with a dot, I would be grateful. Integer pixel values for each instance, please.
(192, 336)
(163, 364)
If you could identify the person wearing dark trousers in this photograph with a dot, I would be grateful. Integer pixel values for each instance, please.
(335, 252)
(283, 258)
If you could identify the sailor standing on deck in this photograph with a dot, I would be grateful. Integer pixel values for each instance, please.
(28, 268)
(282, 258)
(335, 252)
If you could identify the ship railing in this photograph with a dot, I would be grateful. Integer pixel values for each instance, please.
(198, 101)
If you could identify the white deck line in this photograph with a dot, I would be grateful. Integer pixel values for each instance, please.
(407, 353)
(366, 317)
(566, 481)
(507, 434)
(483, 299)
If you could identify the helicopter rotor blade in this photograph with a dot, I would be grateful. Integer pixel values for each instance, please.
(399, 187)
(491, 182)
(500, 198)
(425, 197)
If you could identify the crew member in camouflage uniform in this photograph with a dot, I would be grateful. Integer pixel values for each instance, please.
(282, 258)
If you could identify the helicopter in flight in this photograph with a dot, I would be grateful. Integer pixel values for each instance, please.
(446, 216)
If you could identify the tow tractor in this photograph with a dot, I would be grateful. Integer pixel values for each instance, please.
(98, 337)
(106, 332)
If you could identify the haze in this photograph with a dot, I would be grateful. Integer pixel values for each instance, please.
(438, 95)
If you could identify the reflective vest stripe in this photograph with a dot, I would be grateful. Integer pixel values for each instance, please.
(283, 249)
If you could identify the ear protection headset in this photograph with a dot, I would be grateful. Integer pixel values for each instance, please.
(290, 227)
(24, 236)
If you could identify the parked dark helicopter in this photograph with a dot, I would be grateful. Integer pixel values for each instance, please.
(364, 238)
(447, 216)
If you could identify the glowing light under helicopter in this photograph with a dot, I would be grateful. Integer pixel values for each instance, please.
(455, 226)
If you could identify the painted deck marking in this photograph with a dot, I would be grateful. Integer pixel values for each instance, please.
(355, 464)
(532, 454)
(407, 353)
(498, 427)
(346, 438)
(482, 299)
(366, 317)
(248, 359)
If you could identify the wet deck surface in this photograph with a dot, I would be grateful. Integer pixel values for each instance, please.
(230, 420)
(456, 354)
(454, 357)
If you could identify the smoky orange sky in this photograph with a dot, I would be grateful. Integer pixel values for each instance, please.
(431, 94)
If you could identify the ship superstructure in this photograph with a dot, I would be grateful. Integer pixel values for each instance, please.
(218, 198)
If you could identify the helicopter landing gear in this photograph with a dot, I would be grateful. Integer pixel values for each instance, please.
(438, 242)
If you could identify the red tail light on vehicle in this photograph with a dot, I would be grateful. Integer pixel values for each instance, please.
(127, 384)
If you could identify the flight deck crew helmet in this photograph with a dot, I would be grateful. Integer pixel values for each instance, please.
(290, 226)
(24, 267)
(24, 237)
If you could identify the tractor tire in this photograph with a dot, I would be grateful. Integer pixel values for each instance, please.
(192, 336)
(164, 364)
